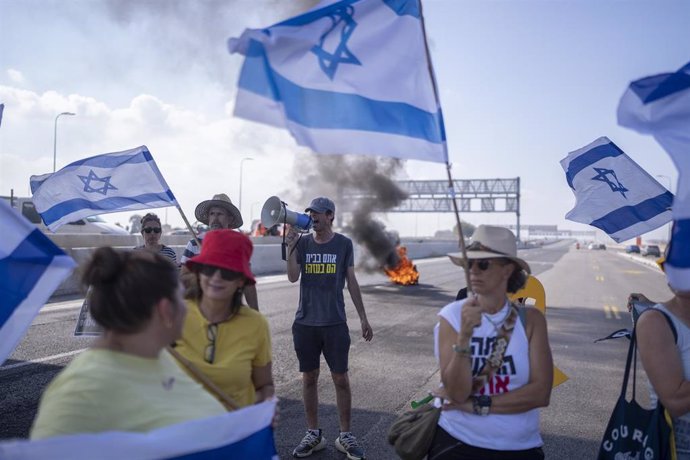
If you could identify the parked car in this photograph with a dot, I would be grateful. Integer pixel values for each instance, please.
(93, 224)
(632, 249)
(651, 250)
(597, 246)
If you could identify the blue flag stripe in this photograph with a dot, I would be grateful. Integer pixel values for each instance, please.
(679, 251)
(596, 154)
(313, 108)
(99, 161)
(404, 7)
(259, 445)
(107, 204)
(113, 161)
(315, 15)
(651, 89)
(626, 216)
(21, 270)
(400, 7)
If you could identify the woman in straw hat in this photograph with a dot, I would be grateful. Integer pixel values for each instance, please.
(492, 409)
(227, 341)
(126, 381)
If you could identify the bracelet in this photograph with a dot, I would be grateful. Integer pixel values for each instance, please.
(466, 351)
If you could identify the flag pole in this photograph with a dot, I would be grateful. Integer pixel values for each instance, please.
(184, 218)
(451, 185)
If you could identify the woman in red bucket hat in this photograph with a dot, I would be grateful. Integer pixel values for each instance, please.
(227, 341)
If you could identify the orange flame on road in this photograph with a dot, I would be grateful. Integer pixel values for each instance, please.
(405, 272)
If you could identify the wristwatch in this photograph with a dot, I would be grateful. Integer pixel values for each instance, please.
(481, 404)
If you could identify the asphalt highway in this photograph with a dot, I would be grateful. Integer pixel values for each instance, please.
(586, 295)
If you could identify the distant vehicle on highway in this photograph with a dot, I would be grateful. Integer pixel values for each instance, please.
(632, 249)
(597, 246)
(651, 250)
(93, 224)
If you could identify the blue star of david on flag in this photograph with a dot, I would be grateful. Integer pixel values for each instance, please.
(622, 216)
(341, 18)
(92, 177)
(616, 186)
(61, 198)
(339, 78)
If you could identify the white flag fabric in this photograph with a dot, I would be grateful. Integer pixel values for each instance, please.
(660, 105)
(346, 77)
(31, 268)
(614, 193)
(242, 434)
(112, 182)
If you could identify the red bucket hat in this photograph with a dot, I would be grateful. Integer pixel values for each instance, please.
(226, 249)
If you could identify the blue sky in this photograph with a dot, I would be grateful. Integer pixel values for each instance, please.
(522, 83)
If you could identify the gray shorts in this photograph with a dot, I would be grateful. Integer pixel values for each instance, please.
(332, 341)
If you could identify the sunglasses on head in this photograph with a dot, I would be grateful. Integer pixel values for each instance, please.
(227, 275)
(151, 229)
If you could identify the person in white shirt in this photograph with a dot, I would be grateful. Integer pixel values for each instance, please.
(491, 411)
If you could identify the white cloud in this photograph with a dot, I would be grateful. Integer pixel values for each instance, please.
(16, 76)
(198, 156)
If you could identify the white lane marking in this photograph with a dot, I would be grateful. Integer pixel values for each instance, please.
(42, 360)
(62, 306)
(611, 311)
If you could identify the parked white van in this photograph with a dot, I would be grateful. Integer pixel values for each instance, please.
(92, 225)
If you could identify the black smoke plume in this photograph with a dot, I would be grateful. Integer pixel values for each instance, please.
(359, 186)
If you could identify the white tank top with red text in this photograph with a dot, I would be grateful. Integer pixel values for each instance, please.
(494, 431)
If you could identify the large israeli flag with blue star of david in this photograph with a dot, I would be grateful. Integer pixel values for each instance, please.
(112, 182)
(246, 433)
(660, 105)
(614, 193)
(31, 268)
(346, 77)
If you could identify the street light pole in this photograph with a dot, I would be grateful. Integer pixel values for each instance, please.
(670, 185)
(241, 170)
(251, 212)
(55, 136)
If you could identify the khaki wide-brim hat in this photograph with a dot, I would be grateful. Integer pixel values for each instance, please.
(489, 242)
(222, 201)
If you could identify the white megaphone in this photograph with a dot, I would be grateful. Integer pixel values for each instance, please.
(276, 212)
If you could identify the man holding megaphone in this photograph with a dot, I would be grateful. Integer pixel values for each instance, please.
(324, 260)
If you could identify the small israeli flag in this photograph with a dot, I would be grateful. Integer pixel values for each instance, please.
(660, 105)
(112, 182)
(345, 77)
(31, 268)
(613, 193)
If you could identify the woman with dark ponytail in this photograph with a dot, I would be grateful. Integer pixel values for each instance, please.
(126, 381)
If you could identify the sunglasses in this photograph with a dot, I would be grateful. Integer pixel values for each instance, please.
(227, 275)
(151, 229)
(482, 264)
(210, 351)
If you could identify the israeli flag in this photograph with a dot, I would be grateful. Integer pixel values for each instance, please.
(243, 434)
(31, 268)
(660, 106)
(113, 182)
(352, 76)
(2, 109)
(613, 193)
